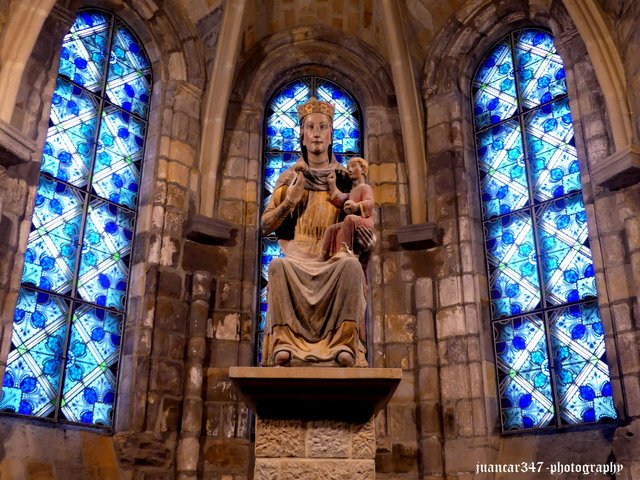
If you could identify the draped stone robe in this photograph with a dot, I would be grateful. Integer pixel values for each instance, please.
(314, 308)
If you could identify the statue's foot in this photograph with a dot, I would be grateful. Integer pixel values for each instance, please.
(345, 359)
(282, 358)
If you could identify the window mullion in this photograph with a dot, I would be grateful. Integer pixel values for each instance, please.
(533, 209)
(83, 223)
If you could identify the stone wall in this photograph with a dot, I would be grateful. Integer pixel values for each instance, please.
(193, 305)
(152, 383)
(466, 373)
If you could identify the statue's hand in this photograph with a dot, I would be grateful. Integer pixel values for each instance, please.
(300, 166)
(366, 238)
(331, 181)
(351, 207)
(296, 189)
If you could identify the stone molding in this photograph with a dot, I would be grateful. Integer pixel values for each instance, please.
(419, 236)
(353, 394)
(207, 230)
(620, 170)
(15, 148)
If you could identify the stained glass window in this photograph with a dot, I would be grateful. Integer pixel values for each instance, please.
(282, 150)
(549, 340)
(68, 323)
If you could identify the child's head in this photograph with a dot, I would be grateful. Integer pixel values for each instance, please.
(356, 172)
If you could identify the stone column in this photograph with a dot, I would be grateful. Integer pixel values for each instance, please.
(315, 423)
(188, 452)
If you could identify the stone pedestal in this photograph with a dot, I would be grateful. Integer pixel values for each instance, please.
(315, 423)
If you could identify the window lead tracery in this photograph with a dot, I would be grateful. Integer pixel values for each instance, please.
(548, 335)
(68, 323)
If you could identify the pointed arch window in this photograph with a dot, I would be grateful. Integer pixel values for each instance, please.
(65, 344)
(548, 335)
(282, 149)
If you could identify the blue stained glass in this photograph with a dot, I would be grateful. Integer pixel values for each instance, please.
(131, 93)
(263, 309)
(513, 279)
(283, 132)
(259, 347)
(119, 183)
(70, 102)
(270, 250)
(282, 128)
(83, 56)
(503, 177)
(93, 351)
(525, 387)
(276, 163)
(106, 286)
(563, 237)
(81, 113)
(127, 54)
(104, 262)
(50, 257)
(552, 155)
(540, 70)
(119, 152)
(551, 252)
(346, 133)
(129, 82)
(89, 20)
(121, 138)
(582, 375)
(494, 97)
(70, 141)
(91, 401)
(34, 364)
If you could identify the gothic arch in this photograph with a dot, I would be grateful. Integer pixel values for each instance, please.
(307, 50)
(265, 64)
(448, 71)
(178, 67)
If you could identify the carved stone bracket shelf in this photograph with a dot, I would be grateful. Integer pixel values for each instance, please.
(620, 170)
(15, 148)
(207, 230)
(420, 236)
(315, 422)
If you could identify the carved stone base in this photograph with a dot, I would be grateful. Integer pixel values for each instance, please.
(319, 449)
(315, 423)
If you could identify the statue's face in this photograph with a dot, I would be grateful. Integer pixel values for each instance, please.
(316, 133)
(354, 169)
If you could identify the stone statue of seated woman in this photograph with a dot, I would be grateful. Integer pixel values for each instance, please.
(315, 306)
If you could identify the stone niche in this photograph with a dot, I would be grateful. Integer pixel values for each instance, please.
(315, 423)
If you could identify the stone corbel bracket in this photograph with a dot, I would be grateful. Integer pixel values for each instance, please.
(315, 392)
(620, 170)
(15, 148)
(420, 236)
(207, 230)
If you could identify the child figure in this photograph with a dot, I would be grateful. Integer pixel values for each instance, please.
(358, 204)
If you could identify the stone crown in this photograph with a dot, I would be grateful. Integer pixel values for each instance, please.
(315, 106)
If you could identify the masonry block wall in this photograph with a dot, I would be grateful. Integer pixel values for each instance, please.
(192, 308)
